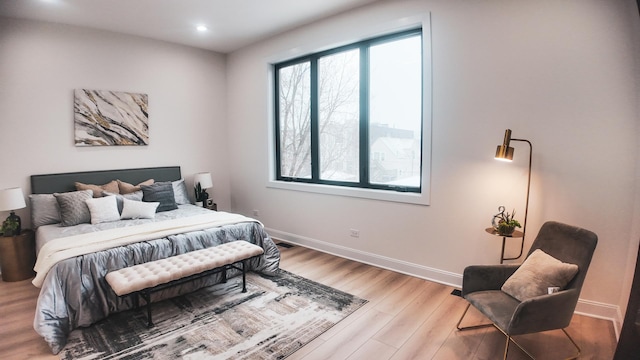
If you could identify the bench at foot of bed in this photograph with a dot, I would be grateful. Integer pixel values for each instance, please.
(143, 279)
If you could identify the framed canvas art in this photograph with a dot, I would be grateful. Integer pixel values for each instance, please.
(105, 118)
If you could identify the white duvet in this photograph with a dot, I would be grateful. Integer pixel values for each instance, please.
(67, 247)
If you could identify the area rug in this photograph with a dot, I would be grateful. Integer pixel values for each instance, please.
(275, 317)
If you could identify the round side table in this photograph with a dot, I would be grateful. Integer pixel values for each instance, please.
(17, 256)
(516, 234)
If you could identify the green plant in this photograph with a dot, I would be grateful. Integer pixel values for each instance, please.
(10, 227)
(201, 194)
(505, 223)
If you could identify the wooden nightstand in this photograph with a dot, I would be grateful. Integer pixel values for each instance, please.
(18, 256)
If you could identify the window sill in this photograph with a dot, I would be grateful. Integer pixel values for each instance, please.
(373, 194)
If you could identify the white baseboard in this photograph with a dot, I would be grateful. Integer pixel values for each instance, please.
(601, 311)
(424, 272)
(584, 307)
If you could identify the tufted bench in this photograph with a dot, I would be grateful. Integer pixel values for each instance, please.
(143, 279)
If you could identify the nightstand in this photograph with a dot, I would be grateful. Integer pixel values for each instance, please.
(18, 256)
(209, 204)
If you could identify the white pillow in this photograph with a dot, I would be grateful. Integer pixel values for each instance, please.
(131, 196)
(138, 209)
(103, 209)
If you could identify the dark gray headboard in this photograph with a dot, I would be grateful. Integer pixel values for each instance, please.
(51, 183)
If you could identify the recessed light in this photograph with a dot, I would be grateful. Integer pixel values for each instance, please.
(201, 28)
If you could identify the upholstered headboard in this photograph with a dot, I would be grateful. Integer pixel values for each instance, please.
(51, 183)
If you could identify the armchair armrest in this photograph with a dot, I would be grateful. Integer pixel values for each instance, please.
(485, 277)
(545, 312)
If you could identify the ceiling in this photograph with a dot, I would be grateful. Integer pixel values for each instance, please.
(231, 24)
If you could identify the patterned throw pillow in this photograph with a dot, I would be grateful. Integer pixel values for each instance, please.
(73, 207)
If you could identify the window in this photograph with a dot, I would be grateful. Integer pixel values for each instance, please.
(352, 116)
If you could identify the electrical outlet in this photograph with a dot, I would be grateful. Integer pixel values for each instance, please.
(256, 213)
(354, 233)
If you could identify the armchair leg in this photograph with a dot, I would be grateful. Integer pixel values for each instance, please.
(469, 327)
(510, 339)
(506, 348)
(574, 344)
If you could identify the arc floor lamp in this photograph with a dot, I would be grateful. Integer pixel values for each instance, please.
(504, 152)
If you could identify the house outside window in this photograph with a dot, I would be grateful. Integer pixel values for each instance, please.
(352, 116)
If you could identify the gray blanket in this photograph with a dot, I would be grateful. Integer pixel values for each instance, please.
(75, 293)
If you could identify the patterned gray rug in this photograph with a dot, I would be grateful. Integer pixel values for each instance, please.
(274, 318)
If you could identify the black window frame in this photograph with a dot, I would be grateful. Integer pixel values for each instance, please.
(364, 150)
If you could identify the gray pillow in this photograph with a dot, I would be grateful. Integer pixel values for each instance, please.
(161, 192)
(44, 210)
(73, 207)
(180, 192)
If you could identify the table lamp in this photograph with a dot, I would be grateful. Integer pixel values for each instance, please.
(202, 182)
(10, 200)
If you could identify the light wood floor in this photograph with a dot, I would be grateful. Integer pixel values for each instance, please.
(405, 318)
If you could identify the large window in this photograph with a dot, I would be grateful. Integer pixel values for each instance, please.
(352, 116)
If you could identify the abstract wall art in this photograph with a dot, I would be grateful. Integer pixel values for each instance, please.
(104, 118)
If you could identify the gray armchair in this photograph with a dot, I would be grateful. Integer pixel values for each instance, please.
(481, 287)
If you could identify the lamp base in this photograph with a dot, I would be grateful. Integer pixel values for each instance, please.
(12, 226)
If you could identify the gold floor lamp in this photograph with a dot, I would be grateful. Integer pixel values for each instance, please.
(505, 153)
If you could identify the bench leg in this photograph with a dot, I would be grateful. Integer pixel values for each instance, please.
(224, 273)
(136, 300)
(244, 276)
(146, 295)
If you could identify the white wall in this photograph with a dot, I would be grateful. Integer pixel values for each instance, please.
(40, 66)
(559, 73)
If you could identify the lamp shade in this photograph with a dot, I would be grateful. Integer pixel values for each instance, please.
(11, 199)
(505, 152)
(204, 178)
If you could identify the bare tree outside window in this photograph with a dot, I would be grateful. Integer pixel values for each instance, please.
(295, 121)
(327, 100)
(339, 116)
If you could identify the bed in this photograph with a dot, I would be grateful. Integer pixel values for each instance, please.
(75, 253)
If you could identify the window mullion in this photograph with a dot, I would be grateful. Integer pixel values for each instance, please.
(364, 116)
(277, 122)
(315, 123)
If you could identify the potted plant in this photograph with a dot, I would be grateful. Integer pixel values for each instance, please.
(10, 227)
(504, 223)
(201, 194)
